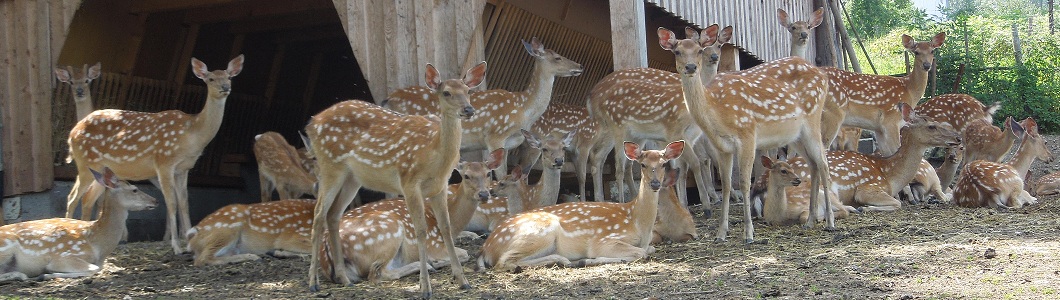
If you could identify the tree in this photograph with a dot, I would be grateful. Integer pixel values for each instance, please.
(876, 18)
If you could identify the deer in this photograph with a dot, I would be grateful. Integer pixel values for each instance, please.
(848, 139)
(927, 179)
(68, 248)
(79, 86)
(643, 104)
(377, 241)
(1047, 185)
(503, 113)
(786, 199)
(518, 193)
(871, 182)
(1000, 185)
(591, 233)
(870, 101)
(779, 105)
(564, 118)
(358, 144)
(958, 110)
(281, 168)
(800, 31)
(243, 232)
(161, 147)
(674, 222)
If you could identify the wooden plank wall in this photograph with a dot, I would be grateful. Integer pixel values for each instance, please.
(32, 33)
(755, 22)
(511, 66)
(394, 40)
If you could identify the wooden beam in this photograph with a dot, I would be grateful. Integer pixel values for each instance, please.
(184, 57)
(245, 11)
(628, 38)
(237, 45)
(274, 23)
(155, 6)
(274, 74)
(312, 34)
(132, 45)
(823, 38)
(311, 82)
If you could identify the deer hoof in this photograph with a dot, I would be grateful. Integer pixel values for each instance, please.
(314, 288)
(466, 286)
(831, 228)
(719, 240)
(426, 295)
(749, 241)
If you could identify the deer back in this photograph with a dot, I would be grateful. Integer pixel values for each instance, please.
(281, 163)
(958, 110)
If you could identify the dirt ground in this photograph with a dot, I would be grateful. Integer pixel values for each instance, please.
(927, 251)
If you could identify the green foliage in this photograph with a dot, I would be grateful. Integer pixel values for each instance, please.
(875, 18)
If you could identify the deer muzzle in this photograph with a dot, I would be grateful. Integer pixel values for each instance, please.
(467, 112)
(655, 185)
(927, 66)
(714, 58)
(80, 92)
(484, 195)
(796, 182)
(690, 69)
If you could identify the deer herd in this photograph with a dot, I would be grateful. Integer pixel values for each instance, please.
(412, 143)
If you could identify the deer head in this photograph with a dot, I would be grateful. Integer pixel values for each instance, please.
(924, 51)
(453, 93)
(475, 175)
(552, 154)
(651, 162)
(800, 30)
(218, 82)
(557, 65)
(128, 195)
(922, 131)
(1032, 139)
(690, 52)
(78, 81)
(780, 171)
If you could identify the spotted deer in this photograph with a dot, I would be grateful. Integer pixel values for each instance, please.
(870, 101)
(503, 113)
(646, 104)
(787, 199)
(1047, 185)
(243, 232)
(591, 233)
(560, 118)
(871, 182)
(848, 139)
(520, 195)
(674, 222)
(927, 180)
(800, 31)
(778, 106)
(79, 86)
(1000, 185)
(377, 238)
(67, 248)
(358, 144)
(161, 147)
(280, 168)
(958, 110)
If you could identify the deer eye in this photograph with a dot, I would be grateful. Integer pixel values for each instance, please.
(783, 171)
(446, 93)
(792, 27)
(677, 52)
(643, 166)
(932, 127)
(467, 177)
(211, 79)
(557, 59)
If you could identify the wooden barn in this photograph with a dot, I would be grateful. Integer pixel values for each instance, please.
(303, 56)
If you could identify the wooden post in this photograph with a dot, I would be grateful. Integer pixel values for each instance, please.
(1016, 45)
(1052, 29)
(957, 82)
(824, 38)
(843, 33)
(628, 38)
(860, 43)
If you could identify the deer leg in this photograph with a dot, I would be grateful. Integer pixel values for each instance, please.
(169, 194)
(81, 186)
(726, 191)
(414, 202)
(876, 200)
(89, 199)
(182, 202)
(598, 157)
(68, 267)
(694, 162)
(614, 252)
(334, 215)
(265, 187)
(581, 161)
(746, 159)
(441, 214)
(331, 183)
(13, 276)
(705, 183)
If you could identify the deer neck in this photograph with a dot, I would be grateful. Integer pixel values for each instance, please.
(916, 83)
(83, 104)
(538, 94)
(900, 168)
(205, 125)
(547, 189)
(776, 202)
(644, 210)
(106, 232)
(799, 50)
(462, 206)
(1022, 159)
(706, 76)
(700, 103)
(447, 145)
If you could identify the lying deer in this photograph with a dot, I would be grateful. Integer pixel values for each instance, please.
(927, 179)
(1047, 185)
(592, 232)
(996, 185)
(242, 232)
(674, 222)
(281, 168)
(68, 248)
(787, 202)
(377, 240)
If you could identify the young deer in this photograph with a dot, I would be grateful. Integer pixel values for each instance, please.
(377, 240)
(161, 147)
(79, 82)
(958, 110)
(67, 248)
(674, 222)
(984, 183)
(358, 144)
(927, 179)
(869, 101)
(503, 113)
(787, 200)
(593, 232)
(872, 182)
(779, 105)
(645, 104)
(281, 168)
(565, 118)
(1047, 185)
(241, 232)
(800, 31)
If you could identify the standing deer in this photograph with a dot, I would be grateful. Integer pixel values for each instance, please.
(800, 31)
(161, 147)
(358, 144)
(281, 168)
(787, 200)
(593, 233)
(646, 104)
(67, 248)
(957, 110)
(565, 118)
(79, 82)
(377, 240)
(996, 185)
(872, 182)
(503, 113)
(241, 232)
(870, 101)
(779, 104)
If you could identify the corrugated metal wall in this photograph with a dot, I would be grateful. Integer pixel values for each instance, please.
(755, 22)
(510, 65)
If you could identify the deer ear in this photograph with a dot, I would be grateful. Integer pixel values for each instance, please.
(691, 33)
(495, 159)
(937, 41)
(305, 141)
(569, 138)
(782, 17)
(235, 66)
(1015, 127)
(725, 35)
(530, 48)
(907, 112)
(94, 71)
(476, 75)
(673, 150)
(434, 81)
(199, 68)
(908, 42)
(818, 18)
(62, 74)
(1030, 125)
(531, 139)
(107, 178)
(632, 150)
(666, 39)
(709, 36)
(766, 162)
